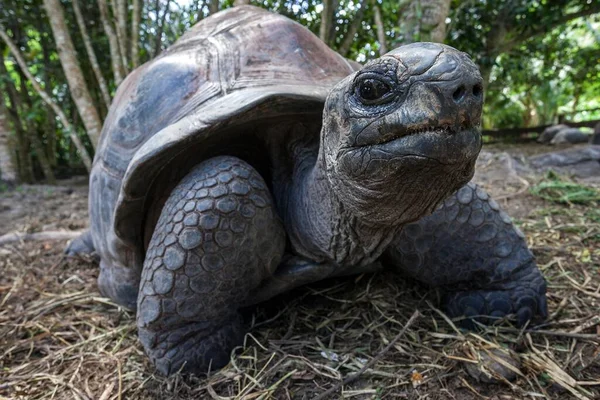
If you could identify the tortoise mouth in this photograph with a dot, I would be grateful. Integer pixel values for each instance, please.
(397, 134)
(443, 144)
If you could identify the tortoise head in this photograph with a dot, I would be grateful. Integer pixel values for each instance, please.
(403, 133)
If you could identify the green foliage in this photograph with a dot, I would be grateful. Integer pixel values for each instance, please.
(561, 190)
(540, 62)
(539, 59)
(555, 74)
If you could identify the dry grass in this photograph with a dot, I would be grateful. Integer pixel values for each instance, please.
(59, 339)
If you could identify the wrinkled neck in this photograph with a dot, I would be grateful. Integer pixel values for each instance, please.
(320, 227)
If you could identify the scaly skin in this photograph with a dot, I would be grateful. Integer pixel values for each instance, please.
(217, 238)
(471, 249)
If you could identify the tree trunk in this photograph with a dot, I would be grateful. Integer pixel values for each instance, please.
(486, 73)
(199, 10)
(494, 39)
(40, 152)
(237, 3)
(435, 17)
(213, 7)
(121, 15)
(61, 115)
(50, 128)
(8, 168)
(113, 44)
(161, 25)
(91, 54)
(332, 17)
(576, 96)
(380, 29)
(326, 20)
(24, 164)
(424, 21)
(31, 129)
(352, 30)
(50, 120)
(135, 33)
(66, 53)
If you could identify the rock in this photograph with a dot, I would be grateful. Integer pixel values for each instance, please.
(549, 133)
(570, 135)
(566, 157)
(493, 366)
(580, 162)
(596, 135)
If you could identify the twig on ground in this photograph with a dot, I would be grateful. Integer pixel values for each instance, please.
(47, 235)
(372, 361)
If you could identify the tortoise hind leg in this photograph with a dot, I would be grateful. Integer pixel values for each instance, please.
(82, 244)
(120, 284)
(218, 237)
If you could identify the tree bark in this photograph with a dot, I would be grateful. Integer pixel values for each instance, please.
(380, 29)
(61, 115)
(135, 32)
(576, 97)
(50, 119)
(332, 17)
(237, 3)
(91, 54)
(199, 10)
(425, 20)
(352, 30)
(213, 7)
(161, 26)
(326, 20)
(435, 17)
(68, 58)
(8, 167)
(121, 15)
(494, 39)
(486, 73)
(50, 128)
(24, 164)
(113, 44)
(40, 152)
(33, 135)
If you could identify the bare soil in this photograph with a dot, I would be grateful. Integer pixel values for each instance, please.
(60, 339)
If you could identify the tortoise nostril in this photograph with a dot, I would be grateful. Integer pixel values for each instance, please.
(459, 93)
(477, 90)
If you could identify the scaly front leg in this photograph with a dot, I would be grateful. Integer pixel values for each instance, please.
(471, 249)
(217, 239)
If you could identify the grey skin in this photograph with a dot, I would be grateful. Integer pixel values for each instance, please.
(197, 220)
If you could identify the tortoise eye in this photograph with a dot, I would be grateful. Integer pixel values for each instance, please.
(372, 90)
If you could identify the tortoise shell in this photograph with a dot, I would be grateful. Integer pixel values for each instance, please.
(235, 69)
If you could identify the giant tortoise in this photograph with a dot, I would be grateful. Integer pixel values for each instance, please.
(249, 158)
